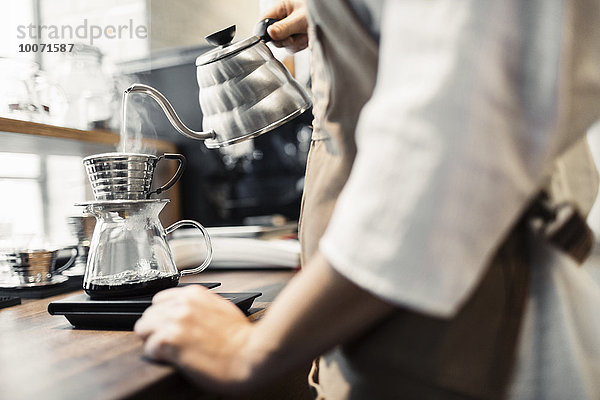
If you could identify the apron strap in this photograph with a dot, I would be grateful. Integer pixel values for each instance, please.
(562, 225)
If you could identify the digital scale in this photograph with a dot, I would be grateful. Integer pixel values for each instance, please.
(121, 314)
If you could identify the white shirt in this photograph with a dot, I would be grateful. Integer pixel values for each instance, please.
(474, 101)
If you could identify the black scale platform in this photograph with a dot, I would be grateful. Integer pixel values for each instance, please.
(83, 312)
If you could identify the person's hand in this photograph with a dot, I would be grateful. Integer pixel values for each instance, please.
(210, 339)
(201, 333)
(290, 31)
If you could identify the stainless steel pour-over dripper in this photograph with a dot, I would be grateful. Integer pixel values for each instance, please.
(244, 91)
(128, 176)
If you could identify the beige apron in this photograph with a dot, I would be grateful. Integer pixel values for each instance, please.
(409, 355)
(351, 53)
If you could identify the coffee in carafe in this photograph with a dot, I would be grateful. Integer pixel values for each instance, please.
(130, 284)
(129, 254)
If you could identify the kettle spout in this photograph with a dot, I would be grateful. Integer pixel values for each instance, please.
(169, 112)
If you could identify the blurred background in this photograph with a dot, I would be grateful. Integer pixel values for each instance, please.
(42, 177)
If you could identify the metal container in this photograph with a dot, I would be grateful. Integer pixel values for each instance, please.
(34, 266)
(244, 90)
(127, 176)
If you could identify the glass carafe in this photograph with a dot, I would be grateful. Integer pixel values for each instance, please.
(129, 254)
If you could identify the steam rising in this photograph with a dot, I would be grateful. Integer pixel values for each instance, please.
(134, 116)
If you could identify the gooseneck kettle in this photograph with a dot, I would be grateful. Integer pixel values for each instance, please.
(244, 90)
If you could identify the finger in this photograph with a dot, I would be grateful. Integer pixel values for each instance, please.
(146, 325)
(298, 42)
(153, 318)
(294, 43)
(169, 305)
(160, 347)
(165, 295)
(294, 24)
(280, 44)
(279, 11)
(173, 293)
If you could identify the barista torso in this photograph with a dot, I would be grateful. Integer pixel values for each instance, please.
(409, 354)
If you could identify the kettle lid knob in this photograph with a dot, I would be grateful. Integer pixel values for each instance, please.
(222, 37)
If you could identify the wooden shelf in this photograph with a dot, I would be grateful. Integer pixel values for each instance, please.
(59, 132)
(31, 137)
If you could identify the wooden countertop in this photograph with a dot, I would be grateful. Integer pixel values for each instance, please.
(44, 357)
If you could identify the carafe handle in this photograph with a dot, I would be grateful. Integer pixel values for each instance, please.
(74, 253)
(209, 249)
(178, 173)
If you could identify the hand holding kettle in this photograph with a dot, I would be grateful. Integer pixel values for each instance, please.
(290, 31)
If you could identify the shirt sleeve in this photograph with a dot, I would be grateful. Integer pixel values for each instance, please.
(449, 152)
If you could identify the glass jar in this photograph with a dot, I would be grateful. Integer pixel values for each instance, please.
(89, 89)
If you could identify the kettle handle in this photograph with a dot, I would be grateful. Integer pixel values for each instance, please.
(169, 112)
(260, 29)
(209, 249)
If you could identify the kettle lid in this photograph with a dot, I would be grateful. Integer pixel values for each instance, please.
(223, 40)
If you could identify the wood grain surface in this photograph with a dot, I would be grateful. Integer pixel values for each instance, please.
(44, 357)
(59, 132)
